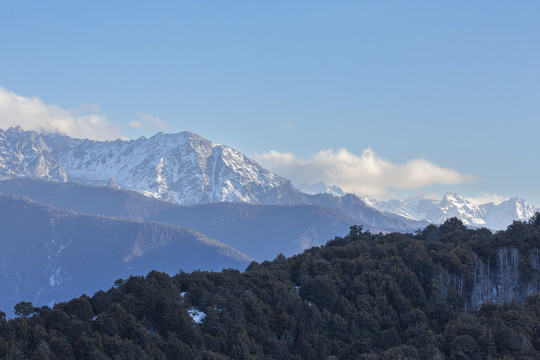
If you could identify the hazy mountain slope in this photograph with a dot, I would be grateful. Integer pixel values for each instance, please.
(50, 254)
(261, 231)
(367, 215)
(102, 200)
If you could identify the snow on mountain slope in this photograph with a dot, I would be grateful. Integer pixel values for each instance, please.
(24, 154)
(454, 205)
(516, 209)
(411, 208)
(182, 167)
(489, 215)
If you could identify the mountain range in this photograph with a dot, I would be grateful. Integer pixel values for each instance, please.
(188, 170)
(79, 214)
(490, 215)
(182, 168)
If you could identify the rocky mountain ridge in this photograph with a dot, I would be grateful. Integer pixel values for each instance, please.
(183, 167)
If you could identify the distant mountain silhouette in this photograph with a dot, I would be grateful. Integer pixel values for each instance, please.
(260, 231)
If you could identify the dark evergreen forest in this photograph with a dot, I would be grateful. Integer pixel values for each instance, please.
(446, 292)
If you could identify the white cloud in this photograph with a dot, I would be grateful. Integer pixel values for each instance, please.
(154, 120)
(485, 198)
(366, 174)
(136, 125)
(31, 113)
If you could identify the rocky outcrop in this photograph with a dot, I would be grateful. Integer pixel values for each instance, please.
(511, 276)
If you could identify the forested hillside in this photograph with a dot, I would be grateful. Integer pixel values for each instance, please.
(446, 292)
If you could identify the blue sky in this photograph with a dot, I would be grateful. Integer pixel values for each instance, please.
(425, 96)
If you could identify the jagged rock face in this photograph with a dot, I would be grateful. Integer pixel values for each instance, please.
(499, 281)
(25, 154)
(183, 167)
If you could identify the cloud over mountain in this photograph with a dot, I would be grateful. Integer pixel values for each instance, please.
(149, 123)
(485, 198)
(31, 113)
(365, 174)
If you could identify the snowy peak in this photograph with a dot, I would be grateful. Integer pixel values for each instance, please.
(452, 199)
(182, 167)
(454, 205)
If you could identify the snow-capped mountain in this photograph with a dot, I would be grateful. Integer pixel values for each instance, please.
(489, 215)
(183, 167)
(189, 170)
